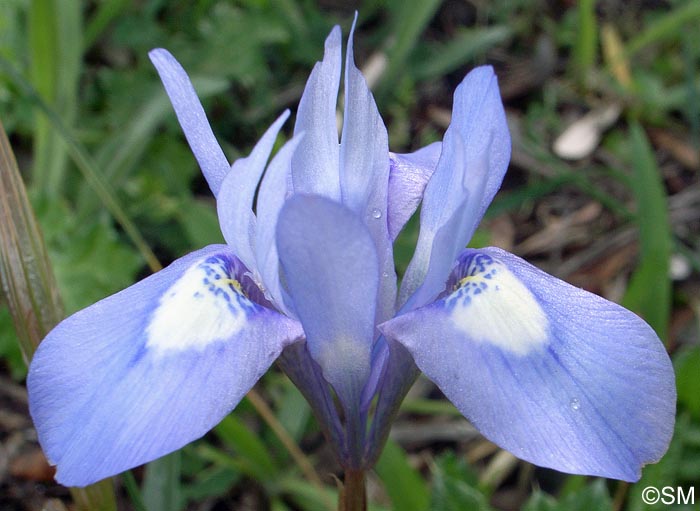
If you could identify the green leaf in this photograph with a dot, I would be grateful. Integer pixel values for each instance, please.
(665, 26)
(591, 496)
(9, 346)
(133, 491)
(248, 446)
(649, 291)
(200, 222)
(540, 501)
(404, 484)
(215, 481)
(28, 281)
(106, 11)
(161, 485)
(90, 260)
(405, 244)
(687, 366)
(86, 165)
(410, 19)
(293, 412)
(307, 496)
(430, 407)
(55, 32)
(96, 497)
(454, 486)
(466, 45)
(584, 51)
(119, 155)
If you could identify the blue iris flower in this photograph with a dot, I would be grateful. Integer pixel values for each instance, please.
(552, 373)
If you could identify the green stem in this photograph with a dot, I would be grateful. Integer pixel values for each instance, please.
(353, 496)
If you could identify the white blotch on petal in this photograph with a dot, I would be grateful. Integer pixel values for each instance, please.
(492, 306)
(204, 306)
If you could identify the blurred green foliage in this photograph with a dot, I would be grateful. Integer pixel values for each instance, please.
(111, 179)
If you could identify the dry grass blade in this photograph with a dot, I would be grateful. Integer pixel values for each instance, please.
(27, 280)
(30, 288)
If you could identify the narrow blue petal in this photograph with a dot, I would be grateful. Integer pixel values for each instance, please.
(147, 370)
(396, 372)
(364, 174)
(443, 231)
(474, 158)
(556, 375)
(271, 196)
(479, 117)
(408, 175)
(235, 200)
(192, 118)
(307, 376)
(315, 163)
(330, 267)
(364, 149)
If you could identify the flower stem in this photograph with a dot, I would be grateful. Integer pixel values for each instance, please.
(353, 496)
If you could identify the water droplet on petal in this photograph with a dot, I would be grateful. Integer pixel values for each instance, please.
(575, 404)
(376, 213)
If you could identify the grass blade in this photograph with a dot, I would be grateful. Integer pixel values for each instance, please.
(249, 447)
(161, 486)
(30, 289)
(55, 58)
(405, 486)
(467, 44)
(411, 18)
(585, 46)
(119, 155)
(27, 279)
(649, 291)
(86, 166)
(665, 26)
(106, 12)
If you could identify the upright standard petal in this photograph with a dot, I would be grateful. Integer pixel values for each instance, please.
(556, 375)
(408, 175)
(330, 267)
(235, 201)
(315, 163)
(271, 196)
(192, 118)
(479, 117)
(474, 158)
(147, 370)
(364, 148)
(364, 174)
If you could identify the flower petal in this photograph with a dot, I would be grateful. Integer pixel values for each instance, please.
(479, 117)
(364, 149)
(474, 158)
(271, 196)
(552, 373)
(330, 266)
(192, 118)
(315, 163)
(364, 174)
(408, 175)
(147, 370)
(306, 374)
(235, 200)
